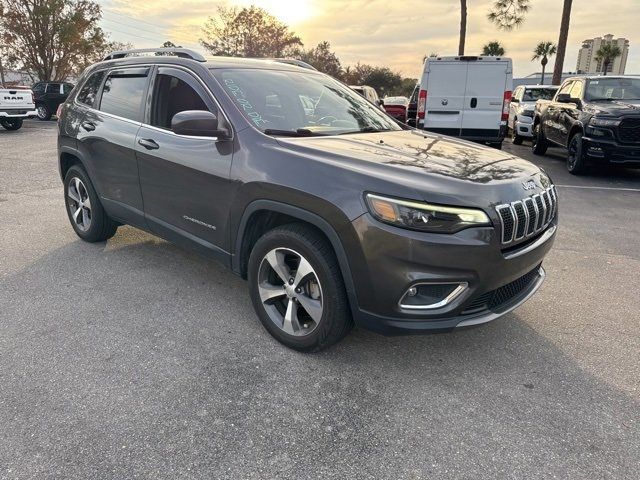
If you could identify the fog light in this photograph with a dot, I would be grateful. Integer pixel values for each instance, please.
(425, 296)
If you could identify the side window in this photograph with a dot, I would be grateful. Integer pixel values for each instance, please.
(122, 94)
(172, 95)
(89, 90)
(576, 90)
(566, 88)
(53, 88)
(66, 88)
(39, 88)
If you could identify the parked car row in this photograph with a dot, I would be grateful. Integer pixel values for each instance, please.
(41, 101)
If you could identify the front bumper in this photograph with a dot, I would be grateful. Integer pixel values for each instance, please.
(608, 150)
(524, 126)
(496, 281)
(18, 113)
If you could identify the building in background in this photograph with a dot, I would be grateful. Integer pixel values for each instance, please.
(587, 62)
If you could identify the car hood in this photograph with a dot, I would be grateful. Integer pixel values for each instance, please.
(414, 154)
(614, 108)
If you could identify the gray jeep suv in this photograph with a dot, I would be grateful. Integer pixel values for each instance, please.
(335, 213)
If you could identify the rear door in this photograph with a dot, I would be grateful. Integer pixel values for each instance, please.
(484, 96)
(107, 136)
(445, 86)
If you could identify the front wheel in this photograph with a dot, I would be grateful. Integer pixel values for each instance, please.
(576, 161)
(297, 289)
(539, 142)
(11, 123)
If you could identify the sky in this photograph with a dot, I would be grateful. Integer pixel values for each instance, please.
(386, 32)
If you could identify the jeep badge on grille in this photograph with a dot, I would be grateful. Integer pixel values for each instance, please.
(529, 185)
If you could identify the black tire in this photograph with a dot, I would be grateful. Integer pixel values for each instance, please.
(44, 112)
(576, 161)
(539, 143)
(100, 226)
(11, 124)
(515, 138)
(496, 145)
(335, 321)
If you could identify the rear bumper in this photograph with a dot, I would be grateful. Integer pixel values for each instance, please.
(17, 113)
(609, 151)
(473, 134)
(495, 281)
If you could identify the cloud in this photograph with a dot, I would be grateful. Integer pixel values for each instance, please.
(397, 34)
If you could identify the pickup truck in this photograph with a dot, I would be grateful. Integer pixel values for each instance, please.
(16, 104)
(596, 119)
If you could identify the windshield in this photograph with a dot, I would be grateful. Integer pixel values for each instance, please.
(613, 89)
(535, 94)
(281, 102)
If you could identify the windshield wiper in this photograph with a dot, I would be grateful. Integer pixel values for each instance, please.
(300, 132)
(366, 130)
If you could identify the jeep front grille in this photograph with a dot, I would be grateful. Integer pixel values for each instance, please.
(527, 217)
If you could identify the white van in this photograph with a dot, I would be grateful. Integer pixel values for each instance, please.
(466, 97)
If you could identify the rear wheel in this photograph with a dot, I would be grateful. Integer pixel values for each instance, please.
(297, 288)
(515, 138)
(11, 123)
(86, 214)
(43, 112)
(576, 161)
(539, 142)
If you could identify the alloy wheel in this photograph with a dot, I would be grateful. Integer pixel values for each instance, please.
(41, 112)
(79, 204)
(290, 291)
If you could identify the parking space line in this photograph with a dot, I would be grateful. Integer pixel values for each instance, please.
(623, 189)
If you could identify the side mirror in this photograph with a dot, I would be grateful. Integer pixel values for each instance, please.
(563, 98)
(198, 123)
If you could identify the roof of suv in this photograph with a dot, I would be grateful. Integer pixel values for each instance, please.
(212, 62)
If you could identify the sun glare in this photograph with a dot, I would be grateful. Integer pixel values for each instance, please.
(287, 11)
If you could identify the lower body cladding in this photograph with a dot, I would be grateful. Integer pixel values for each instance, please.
(416, 282)
(608, 151)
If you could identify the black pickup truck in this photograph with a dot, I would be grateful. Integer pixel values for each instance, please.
(597, 119)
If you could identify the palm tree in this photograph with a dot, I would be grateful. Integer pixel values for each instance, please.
(562, 41)
(542, 52)
(463, 26)
(606, 54)
(493, 49)
(507, 14)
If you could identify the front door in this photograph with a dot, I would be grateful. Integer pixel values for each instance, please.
(184, 180)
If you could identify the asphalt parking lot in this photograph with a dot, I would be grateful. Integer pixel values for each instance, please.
(136, 359)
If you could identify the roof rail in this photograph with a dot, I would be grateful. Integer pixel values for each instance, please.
(178, 52)
(293, 61)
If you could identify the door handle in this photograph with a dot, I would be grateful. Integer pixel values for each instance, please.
(148, 144)
(474, 102)
(88, 126)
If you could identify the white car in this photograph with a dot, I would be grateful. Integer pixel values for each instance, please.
(16, 104)
(523, 105)
(369, 93)
(466, 97)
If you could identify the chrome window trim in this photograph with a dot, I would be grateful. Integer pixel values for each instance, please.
(462, 287)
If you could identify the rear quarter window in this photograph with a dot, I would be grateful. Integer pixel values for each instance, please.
(89, 91)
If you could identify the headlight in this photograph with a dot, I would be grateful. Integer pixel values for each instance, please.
(604, 122)
(424, 216)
